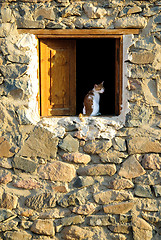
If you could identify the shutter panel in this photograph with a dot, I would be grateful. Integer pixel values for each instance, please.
(58, 77)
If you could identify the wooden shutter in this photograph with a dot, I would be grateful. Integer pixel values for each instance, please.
(57, 77)
(118, 74)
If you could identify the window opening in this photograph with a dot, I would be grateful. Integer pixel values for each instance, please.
(69, 68)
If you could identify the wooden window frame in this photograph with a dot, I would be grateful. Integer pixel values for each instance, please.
(116, 34)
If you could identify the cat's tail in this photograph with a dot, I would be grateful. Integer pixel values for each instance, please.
(81, 117)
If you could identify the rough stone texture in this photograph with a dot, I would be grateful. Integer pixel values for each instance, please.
(131, 22)
(121, 183)
(141, 229)
(76, 232)
(44, 227)
(5, 176)
(8, 201)
(118, 208)
(24, 164)
(5, 148)
(151, 161)
(15, 235)
(110, 196)
(69, 144)
(40, 144)
(143, 191)
(101, 220)
(98, 170)
(57, 171)
(143, 145)
(44, 200)
(27, 184)
(76, 157)
(131, 168)
(86, 209)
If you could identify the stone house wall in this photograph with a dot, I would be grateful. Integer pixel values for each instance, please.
(63, 178)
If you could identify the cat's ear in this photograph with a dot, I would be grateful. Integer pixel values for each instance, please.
(95, 85)
(102, 82)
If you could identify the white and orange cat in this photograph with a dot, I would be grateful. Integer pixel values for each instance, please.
(91, 100)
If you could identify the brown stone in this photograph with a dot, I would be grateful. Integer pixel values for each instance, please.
(141, 229)
(44, 227)
(5, 176)
(131, 168)
(57, 171)
(120, 228)
(75, 232)
(121, 183)
(17, 235)
(40, 144)
(5, 148)
(142, 57)
(109, 196)
(69, 144)
(98, 170)
(143, 145)
(118, 208)
(77, 157)
(97, 147)
(27, 184)
(9, 201)
(85, 209)
(151, 161)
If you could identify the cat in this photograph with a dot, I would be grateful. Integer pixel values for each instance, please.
(91, 100)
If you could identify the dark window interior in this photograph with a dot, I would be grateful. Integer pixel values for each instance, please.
(95, 62)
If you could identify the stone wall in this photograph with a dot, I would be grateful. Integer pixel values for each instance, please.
(63, 178)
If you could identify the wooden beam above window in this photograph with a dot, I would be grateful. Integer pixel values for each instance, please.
(79, 33)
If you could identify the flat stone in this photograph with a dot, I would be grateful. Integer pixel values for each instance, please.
(85, 209)
(76, 157)
(97, 147)
(151, 217)
(83, 182)
(112, 156)
(17, 235)
(151, 161)
(15, 71)
(26, 23)
(43, 227)
(6, 214)
(97, 170)
(142, 57)
(120, 228)
(5, 148)
(9, 201)
(101, 220)
(27, 184)
(109, 196)
(120, 184)
(143, 145)
(69, 144)
(141, 229)
(44, 13)
(157, 190)
(119, 144)
(57, 171)
(5, 176)
(118, 208)
(24, 164)
(55, 213)
(131, 22)
(67, 221)
(76, 232)
(43, 200)
(40, 144)
(143, 191)
(131, 168)
(130, 10)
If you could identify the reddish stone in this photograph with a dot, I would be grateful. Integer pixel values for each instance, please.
(77, 157)
(27, 184)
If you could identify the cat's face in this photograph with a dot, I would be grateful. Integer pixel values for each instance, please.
(99, 87)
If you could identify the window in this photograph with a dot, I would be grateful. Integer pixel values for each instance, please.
(69, 68)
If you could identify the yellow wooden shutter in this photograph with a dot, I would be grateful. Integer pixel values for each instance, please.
(57, 77)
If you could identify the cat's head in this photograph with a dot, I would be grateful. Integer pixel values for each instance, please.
(99, 87)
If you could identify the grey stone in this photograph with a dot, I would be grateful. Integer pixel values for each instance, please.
(157, 19)
(69, 144)
(83, 182)
(143, 191)
(40, 144)
(120, 228)
(45, 13)
(73, 10)
(24, 164)
(97, 147)
(157, 190)
(6, 214)
(74, 198)
(131, 22)
(67, 221)
(101, 220)
(119, 144)
(142, 57)
(55, 25)
(10, 225)
(130, 10)
(152, 178)
(26, 23)
(43, 200)
(17, 57)
(97, 170)
(152, 217)
(13, 71)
